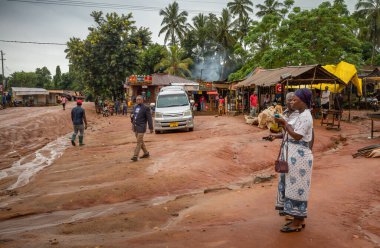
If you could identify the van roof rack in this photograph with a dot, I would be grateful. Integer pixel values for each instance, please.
(172, 88)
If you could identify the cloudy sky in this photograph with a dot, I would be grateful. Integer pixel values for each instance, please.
(56, 22)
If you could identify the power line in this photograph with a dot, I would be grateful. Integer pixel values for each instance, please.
(104, 5)
(34, 42)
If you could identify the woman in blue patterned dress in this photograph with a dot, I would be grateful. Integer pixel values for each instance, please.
(299, 136)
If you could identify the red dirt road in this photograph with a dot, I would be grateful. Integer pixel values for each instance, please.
(196, 190)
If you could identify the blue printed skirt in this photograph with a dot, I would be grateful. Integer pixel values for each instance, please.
(294, 186)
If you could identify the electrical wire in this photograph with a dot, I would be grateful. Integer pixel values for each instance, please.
(34, 42)
(105, 5)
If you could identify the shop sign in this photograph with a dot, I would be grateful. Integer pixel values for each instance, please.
(140, 79)
(205, 86)
(278, 88)
(214, 92)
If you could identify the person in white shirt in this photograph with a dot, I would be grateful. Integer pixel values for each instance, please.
(325, 102)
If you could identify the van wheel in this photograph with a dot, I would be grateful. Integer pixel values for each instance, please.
(156, 132)
(191, 129)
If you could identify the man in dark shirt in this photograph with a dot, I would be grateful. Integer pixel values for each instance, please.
(78, 116)
(139, 117)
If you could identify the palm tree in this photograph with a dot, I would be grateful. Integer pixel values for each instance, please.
(173, 24)
(370, 10)
(224, 36)
(174, 64)
(240, 8)
(243, 28)
(200, 29)
(270, 7)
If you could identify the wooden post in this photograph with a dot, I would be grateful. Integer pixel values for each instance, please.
(349, 105)
(365, 93)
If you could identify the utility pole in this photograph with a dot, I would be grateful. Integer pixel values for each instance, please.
(2, 68)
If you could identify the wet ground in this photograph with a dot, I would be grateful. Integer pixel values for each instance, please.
(214, 187)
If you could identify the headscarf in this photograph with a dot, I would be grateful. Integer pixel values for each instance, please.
(305, 96)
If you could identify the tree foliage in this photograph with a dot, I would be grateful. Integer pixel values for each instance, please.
(368, 12)
(174, 62)
(323, 35)
(173, 23)
(109, 54)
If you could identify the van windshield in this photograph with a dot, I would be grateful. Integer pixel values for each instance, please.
(166, 101)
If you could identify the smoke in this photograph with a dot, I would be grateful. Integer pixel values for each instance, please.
(210, 68)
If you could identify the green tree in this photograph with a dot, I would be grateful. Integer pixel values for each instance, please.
(322, 35)
(270, 7)
(173, 23)
(108, 55)
(23, 79)
(57, 77)
(43, 78)
(201, 32)
(240, 8)
(370, 10)
(150, 57)
(225, 39)
(174, 62)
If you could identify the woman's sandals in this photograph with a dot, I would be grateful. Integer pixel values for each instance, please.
(286, 228)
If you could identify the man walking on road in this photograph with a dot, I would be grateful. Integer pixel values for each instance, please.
(78, 116)
(139, 117)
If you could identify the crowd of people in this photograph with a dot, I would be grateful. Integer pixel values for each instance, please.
(108, 107)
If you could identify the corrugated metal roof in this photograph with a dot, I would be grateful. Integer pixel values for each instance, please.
(268, 77)
(166, 79)
(374, 73)
(20, 91)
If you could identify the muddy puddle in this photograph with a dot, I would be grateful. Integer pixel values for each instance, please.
(26, 167)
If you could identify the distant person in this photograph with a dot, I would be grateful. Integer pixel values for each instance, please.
(63, 102)
(338, 105)
(3, 100)
(125, 107)
(221, 105)
(266, 101)
(253, 103)
(78, 117)
(317, 106)
(148, 95)
(202, 102)
(325, 102)
(117, 107)
(139, 117)
(9, 99)
(216, 101)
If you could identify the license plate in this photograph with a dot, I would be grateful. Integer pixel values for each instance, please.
(173, 124)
